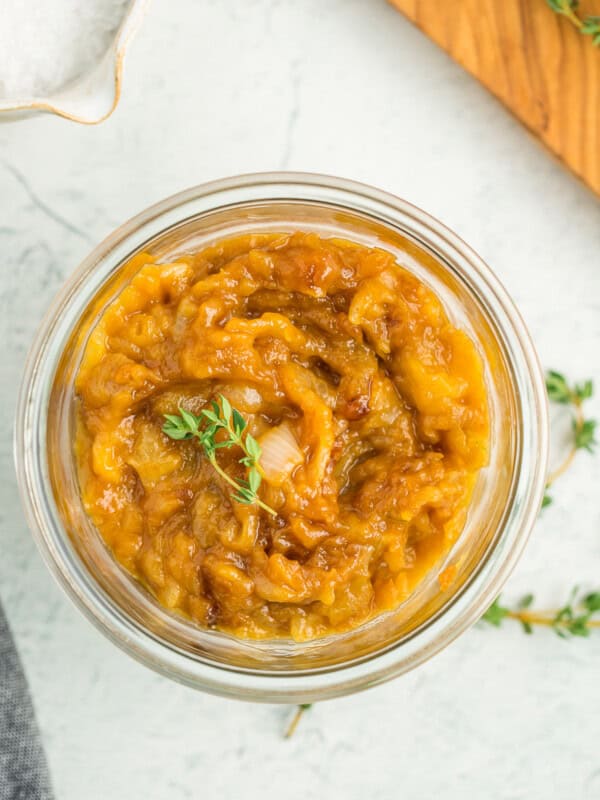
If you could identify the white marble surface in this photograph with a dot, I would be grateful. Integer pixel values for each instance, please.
(216, 87)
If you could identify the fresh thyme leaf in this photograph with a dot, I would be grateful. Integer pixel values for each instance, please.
(226, 409)
(526, 601)
(220, 445)
(578, 626)
(224, 418)
(592, 602)
(591, 27)
(176, 428)
(252, 447)
(177, 434)
(211, 416)
(210, 450)
(585, 438)
(239, 423)
(527, 626)
(583, 391)
(547, 501)
(173, 419)
(558, 388)
(495, 614)
(563, 616)
(190, 420)
(243, 499)
(254, 479)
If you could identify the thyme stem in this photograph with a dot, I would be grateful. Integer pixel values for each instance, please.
(546, 618)
(583, 437)
(588, 26)
(578, 617)
(296, 719)
(568, 460)
(205, 427)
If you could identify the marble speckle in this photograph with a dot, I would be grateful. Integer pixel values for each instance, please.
(345, 87)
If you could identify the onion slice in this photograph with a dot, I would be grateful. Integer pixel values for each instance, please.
(280, 454)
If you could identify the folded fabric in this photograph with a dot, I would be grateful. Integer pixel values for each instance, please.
(23, 768)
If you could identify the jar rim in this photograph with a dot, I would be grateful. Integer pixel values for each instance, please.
(261, 685)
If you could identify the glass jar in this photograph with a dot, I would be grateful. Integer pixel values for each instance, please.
(506, 500)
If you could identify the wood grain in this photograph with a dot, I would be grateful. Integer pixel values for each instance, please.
(535, 62)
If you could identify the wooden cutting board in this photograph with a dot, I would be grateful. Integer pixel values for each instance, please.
(537, 63)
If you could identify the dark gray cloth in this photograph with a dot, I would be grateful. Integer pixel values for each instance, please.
(23, 769)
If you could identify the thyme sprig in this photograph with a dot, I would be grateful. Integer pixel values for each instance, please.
(584, 430)
(206, 427)
(575, 618)
(588, 26)
(298, 714)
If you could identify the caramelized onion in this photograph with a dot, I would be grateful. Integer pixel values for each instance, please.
(280, 454)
